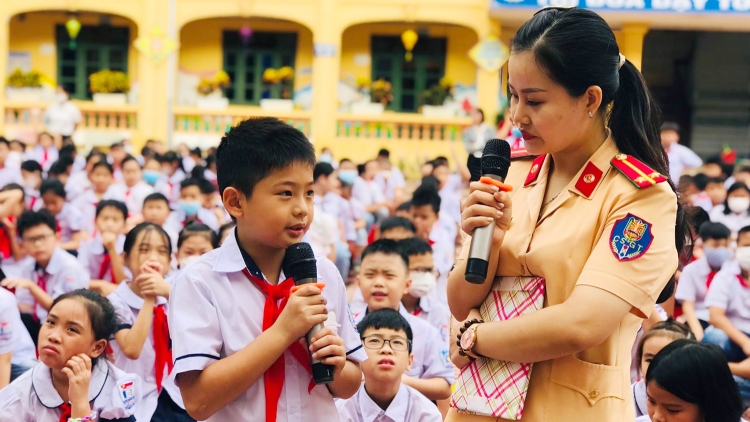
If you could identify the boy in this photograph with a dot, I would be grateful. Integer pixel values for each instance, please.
(191, 208)
(116, 156)
(69, 222)
(387, 339)
(156, 210)
(133, 189)
(101, 257)
(333, 205)
(696, 277)
(54, 271)
(397, 228)
(228, 368)
(31, 172)
(384, 280)
(404, 210)
(716, 191)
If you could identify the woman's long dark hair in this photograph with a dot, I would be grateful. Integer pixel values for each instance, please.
(698, 374)
(577, 49)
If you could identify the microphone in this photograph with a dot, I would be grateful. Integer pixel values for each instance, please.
(299, 263)
(495, 164)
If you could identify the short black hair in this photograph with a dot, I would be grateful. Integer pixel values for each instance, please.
(406, 206)
(132, 236)
(726, 168)
(361, 168)
(129, 158)
(255, 148)
(711, 230)
(68, 150)
(384, 153)
(197, 229)
(103, 163)
(715, 180)
(61, 165)
(700, 181)
(119, 206)
(30, 219)
(156, 196)
(386, 318)
(31, 165)
(742, 231)
(696, 216)
(53, 185)
(391, 223)
(386, 247)
(322, 169)
(4, 141)
(743, 169)
(118, 144)
(415, 246)
(426, 195)
(670, 126)
(190, 182)
(207, 188)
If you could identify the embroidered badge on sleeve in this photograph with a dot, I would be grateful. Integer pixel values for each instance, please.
(631, 237)
(127, 394)
(5, 331)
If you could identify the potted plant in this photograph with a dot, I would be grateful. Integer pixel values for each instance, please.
(109, 87)
(372, 104)
(22, 86)
(210, 92)
(433, 99)
(279, 84)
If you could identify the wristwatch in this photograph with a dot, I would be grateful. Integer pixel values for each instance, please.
(469, 339)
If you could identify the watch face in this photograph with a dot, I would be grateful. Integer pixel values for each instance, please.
(467, 340)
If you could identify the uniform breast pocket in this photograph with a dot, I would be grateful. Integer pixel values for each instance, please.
(586, 391)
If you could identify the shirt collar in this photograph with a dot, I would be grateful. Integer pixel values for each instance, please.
(230, 259)
(55, 262)
(396, 411)
(41, 382)
(425, 303)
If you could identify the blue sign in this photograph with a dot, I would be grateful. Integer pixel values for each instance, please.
(722, 6)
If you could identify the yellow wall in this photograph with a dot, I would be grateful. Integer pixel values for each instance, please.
(200, 44)
(459, 67)
(39, 28)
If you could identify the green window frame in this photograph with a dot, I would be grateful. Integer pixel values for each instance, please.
(245, 64)
(96, 48)
(409, 79)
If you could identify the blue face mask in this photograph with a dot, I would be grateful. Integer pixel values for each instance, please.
(325, 158)
(516, 132)
(190, 208)
(348, 176)
(717, 256)
(151, 176)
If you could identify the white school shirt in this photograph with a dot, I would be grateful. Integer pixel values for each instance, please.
(443, 242)
(69, 220)
(85, 205)
(727, 293)
(388, 186)
(639, 397)
(13, 334)
(132, 197)
(431, 358)
(692, 286)
(61, 118)
(173, 186)
(409, 405)
(436, 313)
(176, 220)
(78, 183)
(681, 157)
(62, 275)
(10, 173)
(733, 221)
(450, 205)
(34, 200)
(45, 157)
(215, 311)
(127, 306)
(91, 256)
(114, 395)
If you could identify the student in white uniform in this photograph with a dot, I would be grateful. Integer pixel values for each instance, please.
(228, 367)
(152, 174)
(101, 256)
(44, 152)
(31, 172)
(194, 241)
(9, 171)
(387, 339)
(142, 344)
(69, 222)
(12, 205)
(73, 382)
(17, 351)
(735, 212)
(100, 180)
(384, 279)
(171, 165)
(55, 271)
(156, 210)
(80, 182)
(190, 208)
(133, 190)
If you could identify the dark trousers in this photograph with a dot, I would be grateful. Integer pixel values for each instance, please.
(32, 326)
(168, 411)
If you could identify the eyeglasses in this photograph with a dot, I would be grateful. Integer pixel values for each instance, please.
(37, 239)
(398, 344)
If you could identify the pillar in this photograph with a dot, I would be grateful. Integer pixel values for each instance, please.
(4, 45)
(488, 83)
(631, 42)
(326, 64)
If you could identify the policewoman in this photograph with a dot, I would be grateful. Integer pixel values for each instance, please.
(592, 215)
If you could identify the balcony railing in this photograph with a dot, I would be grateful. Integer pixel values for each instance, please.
(401, 126)
(210, 123)
(30, 116)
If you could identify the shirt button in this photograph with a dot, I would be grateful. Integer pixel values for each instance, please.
(290, 362)
(594, 394)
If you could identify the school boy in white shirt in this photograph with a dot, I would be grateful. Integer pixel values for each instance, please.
(228, 367)
(133, 190)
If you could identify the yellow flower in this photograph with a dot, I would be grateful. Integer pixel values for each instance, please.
(271, 76)
(222, 79)
(446, 82)
(363, 81)
(285, 73)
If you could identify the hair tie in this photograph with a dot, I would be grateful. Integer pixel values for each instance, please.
(621, 61)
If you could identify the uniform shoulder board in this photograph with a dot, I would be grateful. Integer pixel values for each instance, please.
(520, 153)
(638, 173)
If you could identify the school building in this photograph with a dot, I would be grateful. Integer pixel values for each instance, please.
(316, 63)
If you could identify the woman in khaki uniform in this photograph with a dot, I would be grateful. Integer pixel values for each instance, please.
(592, 215)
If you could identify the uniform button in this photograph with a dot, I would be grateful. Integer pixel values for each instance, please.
(594, 394)
(588, 178)
(534, 168)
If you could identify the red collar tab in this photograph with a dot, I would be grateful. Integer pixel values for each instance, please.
(536, 167)
(641, 175)
(589, 179)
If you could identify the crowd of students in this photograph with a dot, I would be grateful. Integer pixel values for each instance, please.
(132, 290)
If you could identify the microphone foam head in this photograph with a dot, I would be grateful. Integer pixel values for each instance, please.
(496, 158)
(299, 262)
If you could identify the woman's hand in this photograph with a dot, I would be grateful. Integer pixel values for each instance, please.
(484, 205)
(78, 370)
(458, 360)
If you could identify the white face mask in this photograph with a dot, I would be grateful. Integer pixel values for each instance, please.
(738, 204)
(184, 262)
(743, 257)
(61, 98)
(422, 284)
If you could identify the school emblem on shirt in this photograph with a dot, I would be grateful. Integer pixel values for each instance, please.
(631, 237)
(127, 394)
(5, 331)
(351, 318)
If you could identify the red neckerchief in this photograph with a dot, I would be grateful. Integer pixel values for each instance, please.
(66, 411)
(161, 345)
(41, 281)
(58, 230)
(45, 157)
(273, 378)
(742, 281)
(5, 249)
(33, 201)
(106, 267)
(710, 278)
(196, 221)
(417, 311)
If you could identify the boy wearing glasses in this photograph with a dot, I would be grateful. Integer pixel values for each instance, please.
(387, 338)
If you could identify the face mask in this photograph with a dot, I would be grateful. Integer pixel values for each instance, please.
(61, 98)
(717, 256)
(743, 257)
(190, 208)
(151, 176)
(422, 284)
(516, 132)
(348, 176)
(184, 262)
(738, 204)
(325, 158)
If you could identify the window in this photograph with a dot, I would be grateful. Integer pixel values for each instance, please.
(409, 79)
(245, 64)
(97, 48)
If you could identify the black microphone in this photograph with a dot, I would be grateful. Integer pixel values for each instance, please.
(299, 263)
(495, 164)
